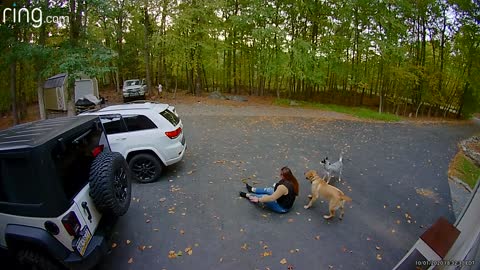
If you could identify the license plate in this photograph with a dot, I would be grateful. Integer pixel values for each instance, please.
(83, 241)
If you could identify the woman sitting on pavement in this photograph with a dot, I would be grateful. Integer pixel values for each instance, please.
(280, 198)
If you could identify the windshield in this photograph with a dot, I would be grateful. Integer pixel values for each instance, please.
(131, 83)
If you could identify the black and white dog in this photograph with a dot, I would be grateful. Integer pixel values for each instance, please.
(333, 168)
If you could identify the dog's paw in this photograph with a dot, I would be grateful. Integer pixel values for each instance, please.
(306, 206)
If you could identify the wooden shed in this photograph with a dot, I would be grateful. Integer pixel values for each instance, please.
(55, 92)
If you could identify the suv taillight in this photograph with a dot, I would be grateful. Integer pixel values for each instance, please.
(97, 150)
(71, 223)
(174, 134)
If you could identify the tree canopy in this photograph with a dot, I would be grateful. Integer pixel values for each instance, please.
(405, 57)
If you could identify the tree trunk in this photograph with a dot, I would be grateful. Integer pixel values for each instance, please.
(41, 102)
(13, 91)
(39, 65)
(418, 109)
(146, 41)
(175, 91)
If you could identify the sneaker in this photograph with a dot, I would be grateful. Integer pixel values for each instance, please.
(243, 194)
(249, 188)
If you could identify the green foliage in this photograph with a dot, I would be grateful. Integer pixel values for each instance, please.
(464, 169)
(417, 55)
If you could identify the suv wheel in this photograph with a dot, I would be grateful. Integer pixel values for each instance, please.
(145, 168)
(110, 186)
(29, 259)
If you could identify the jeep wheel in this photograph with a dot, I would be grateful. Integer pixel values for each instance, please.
(145, 168)
(110, 186)
(29, 259)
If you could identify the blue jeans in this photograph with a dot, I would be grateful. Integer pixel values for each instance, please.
(274, 206)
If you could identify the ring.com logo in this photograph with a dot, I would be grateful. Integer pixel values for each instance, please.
(33, 16)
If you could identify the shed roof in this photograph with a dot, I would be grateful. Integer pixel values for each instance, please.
(55, 81)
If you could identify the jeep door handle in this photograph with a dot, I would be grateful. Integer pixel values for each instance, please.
(85, 207)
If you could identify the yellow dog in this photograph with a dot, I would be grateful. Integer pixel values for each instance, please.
(320, 188)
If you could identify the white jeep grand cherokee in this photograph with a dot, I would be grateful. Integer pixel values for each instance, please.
(149, 135)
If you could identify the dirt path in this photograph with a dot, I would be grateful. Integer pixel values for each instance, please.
(255, 106)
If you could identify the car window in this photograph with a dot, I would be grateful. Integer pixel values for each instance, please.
(15, 181)
(73, 159)
(171, 117)
(113, 124)
(138, 122)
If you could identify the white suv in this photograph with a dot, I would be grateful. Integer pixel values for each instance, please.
(149, 135)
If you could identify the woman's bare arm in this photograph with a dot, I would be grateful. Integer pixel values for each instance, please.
(281, 190)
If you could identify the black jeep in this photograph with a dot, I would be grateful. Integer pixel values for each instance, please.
(61, 188)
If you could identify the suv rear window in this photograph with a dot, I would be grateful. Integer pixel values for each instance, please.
(16, 185)
(138, 122)
(171, 117)
(73, 160)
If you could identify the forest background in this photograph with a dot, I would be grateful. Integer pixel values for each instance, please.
(406, 57)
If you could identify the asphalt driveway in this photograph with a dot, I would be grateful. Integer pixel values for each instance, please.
(193, 218)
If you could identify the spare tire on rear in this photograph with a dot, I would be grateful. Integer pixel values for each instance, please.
(110, 184)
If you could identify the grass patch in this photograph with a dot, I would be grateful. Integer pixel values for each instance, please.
(463, 168)
(359, 112)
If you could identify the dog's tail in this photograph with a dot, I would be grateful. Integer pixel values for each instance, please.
(345, 198)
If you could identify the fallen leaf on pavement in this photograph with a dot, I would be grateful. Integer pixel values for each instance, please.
(141, 248)
(290, 220)
(130, 260)
(162, 199)
(147, 221)
(220, 161)
(128, 242)
(179, 253)
(317, 237)
(244, 246)
(283, 261)
(189, 250)
(266, 254)
(379, 257)
(182, 232)
(377, 248)
(171, 254)
(114, 245)
(290, 267)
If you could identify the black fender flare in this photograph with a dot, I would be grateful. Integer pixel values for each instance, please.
(20, 237)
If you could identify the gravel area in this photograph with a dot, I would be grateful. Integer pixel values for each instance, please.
(258, 110)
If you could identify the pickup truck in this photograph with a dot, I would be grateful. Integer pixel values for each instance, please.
(133, 89)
